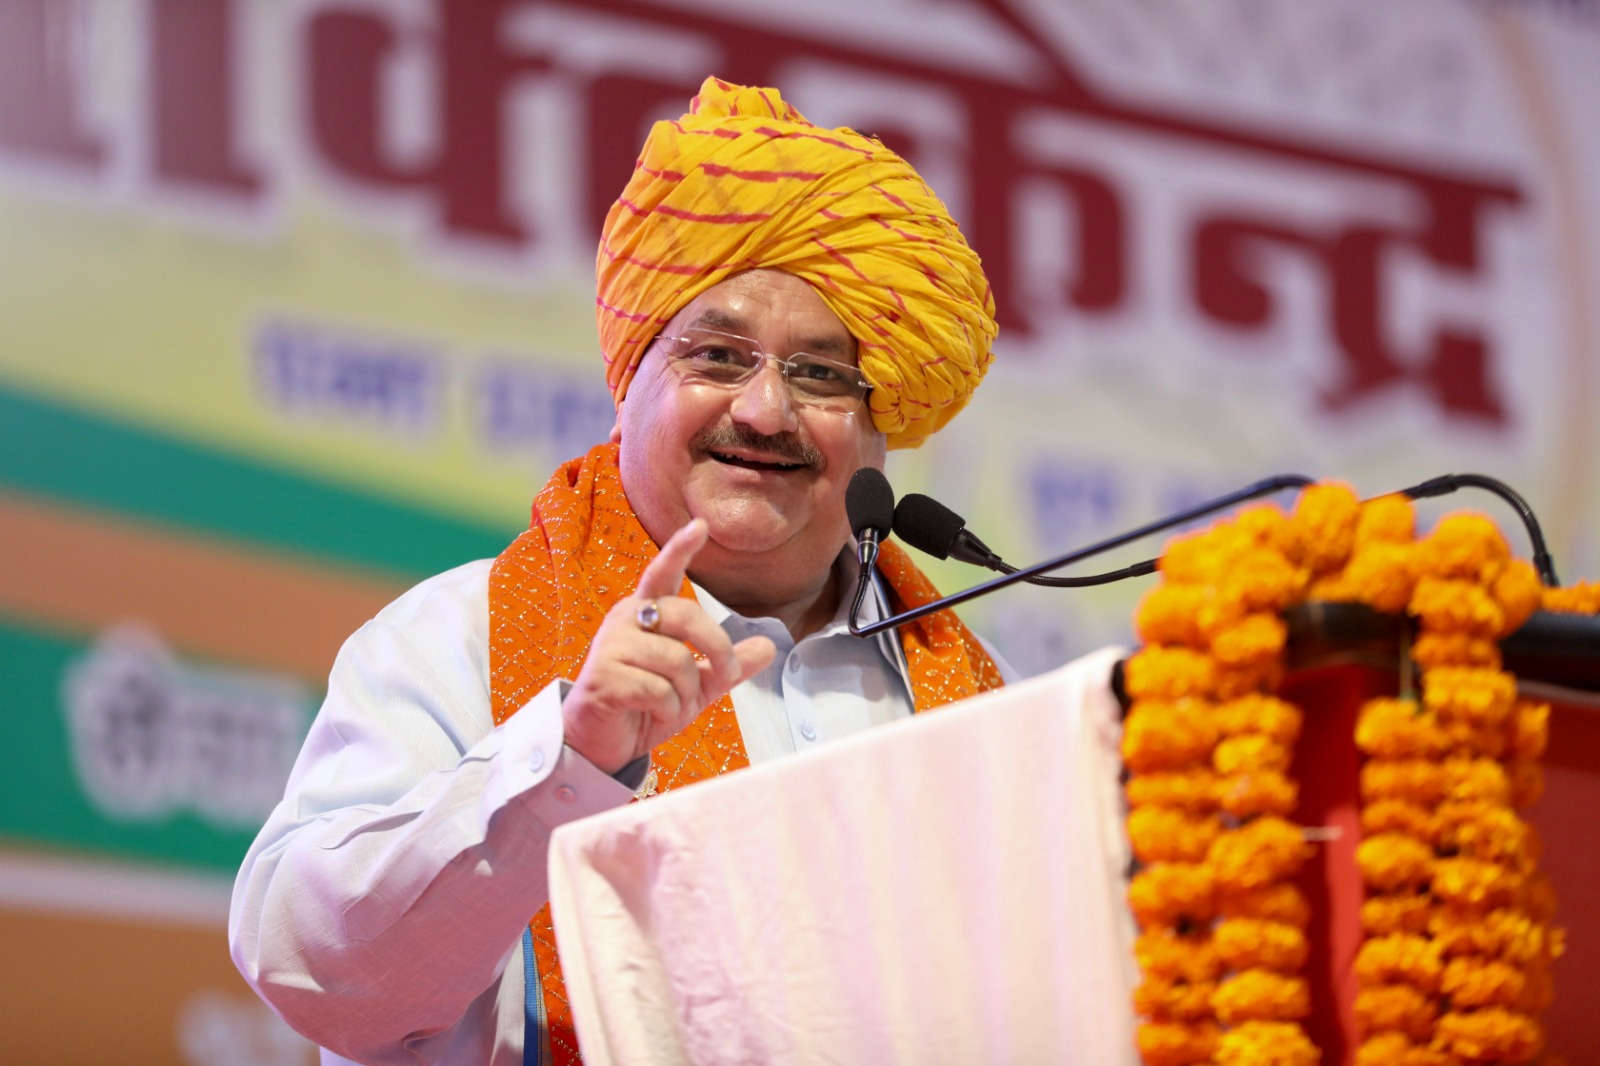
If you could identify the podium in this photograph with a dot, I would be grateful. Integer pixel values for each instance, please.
(1342, 654)
(946, 889)
(952, 888)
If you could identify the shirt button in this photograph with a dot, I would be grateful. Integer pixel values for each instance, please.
(794, 663)
(808, 730)
(566, 793)
(536, 760)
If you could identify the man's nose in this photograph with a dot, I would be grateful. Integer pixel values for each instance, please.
(764, 403)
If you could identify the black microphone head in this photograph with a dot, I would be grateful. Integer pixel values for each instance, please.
(869, 501)
(927, 525)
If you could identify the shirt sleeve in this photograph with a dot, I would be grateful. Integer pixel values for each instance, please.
(379, 906)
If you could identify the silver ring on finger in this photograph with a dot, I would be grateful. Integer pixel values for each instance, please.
(649, 616)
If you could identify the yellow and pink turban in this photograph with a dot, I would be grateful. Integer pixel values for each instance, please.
(743, 181)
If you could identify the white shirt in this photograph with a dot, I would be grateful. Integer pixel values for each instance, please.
(380, 910)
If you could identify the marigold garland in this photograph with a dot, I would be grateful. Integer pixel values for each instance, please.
(1455, 965)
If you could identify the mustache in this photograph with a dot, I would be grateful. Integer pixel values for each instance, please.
(788, 446)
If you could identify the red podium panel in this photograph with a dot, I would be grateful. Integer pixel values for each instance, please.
(1341, 656)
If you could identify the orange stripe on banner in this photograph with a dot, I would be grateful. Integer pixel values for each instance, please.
(81, 571)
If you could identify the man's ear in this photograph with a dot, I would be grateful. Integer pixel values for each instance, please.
(616, 427)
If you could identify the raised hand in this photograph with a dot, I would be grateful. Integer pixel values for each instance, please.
(656, 662)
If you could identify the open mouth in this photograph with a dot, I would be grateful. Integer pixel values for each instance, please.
(754, 464)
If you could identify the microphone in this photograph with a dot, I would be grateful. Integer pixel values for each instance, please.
(929, 526)
(1447, 483)
(1249, 492)
(869, 503)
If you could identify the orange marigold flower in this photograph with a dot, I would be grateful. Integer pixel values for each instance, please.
(1473, 884)
(1467, 740)
(1161, 834)
(1491, 1035)
(1269, 527)
(1325, 519)
(1254, 638)
(1241, 680)
(1204, 558)
(1582, 598)
(1170, 673)
(1518, 591)
(1170, 893)
(1168, 954)
(1170, 612)
(1398, 729)
(1258, 853)
(1397, 1008)
(1527, 782)
(1537, 899)
(1249, 753)
(1164, 1000)
(1469, 778)
(1469, 693)
(1386, 915)
(1412, 780)
(1390, 862)
(1261, 996)
(1262, 581)
(1266, 1044)
(1167, 735)
(1465, 544)
(1397, 1049)
(1260, 713)
(1332, 588)
(1457, 606)
(1193, 790)
(1383, 575)
(1386, 519)
(1247, 795)
(1487, 831)
(1505, 933)
(1433, 650)
(1176, 1043)
(1251, 943)
(1400, 958)
(1397, 816)
(1475, 982)
(1537, 991)
(1530, 728)
(1283, 903)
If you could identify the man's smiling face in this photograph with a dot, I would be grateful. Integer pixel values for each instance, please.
(767, 474)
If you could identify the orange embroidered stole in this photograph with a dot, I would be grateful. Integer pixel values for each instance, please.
(583, 551)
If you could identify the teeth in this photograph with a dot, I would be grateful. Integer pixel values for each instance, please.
(726, 458)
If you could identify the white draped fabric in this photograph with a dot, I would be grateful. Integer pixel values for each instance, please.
(944, 889)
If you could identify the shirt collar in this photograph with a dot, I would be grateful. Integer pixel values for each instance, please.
(846, 567)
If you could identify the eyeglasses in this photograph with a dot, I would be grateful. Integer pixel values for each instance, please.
(711, 357)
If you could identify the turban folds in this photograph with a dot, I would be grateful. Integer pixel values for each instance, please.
(742, 182)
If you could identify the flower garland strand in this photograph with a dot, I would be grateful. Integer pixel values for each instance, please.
(1455, 964)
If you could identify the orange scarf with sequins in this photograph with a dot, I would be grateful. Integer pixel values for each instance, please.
(584, 551)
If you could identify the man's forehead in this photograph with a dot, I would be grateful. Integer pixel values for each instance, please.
(744, 304)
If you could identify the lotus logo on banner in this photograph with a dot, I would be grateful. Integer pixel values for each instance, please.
(153, 737)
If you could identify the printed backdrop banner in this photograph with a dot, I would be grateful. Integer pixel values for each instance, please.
(296, 308)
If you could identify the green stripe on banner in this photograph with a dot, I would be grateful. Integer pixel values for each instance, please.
(67, 454)
(44, 797)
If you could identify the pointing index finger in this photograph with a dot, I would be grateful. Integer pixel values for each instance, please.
(664, 576)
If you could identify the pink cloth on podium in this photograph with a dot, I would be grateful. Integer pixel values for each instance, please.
(945, 889)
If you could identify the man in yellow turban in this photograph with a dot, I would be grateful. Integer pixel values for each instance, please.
(778, 305)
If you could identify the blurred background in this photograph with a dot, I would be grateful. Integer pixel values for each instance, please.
(296, 308)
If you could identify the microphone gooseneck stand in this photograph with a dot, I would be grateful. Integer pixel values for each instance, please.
(1447, 483)
(1250, 492)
